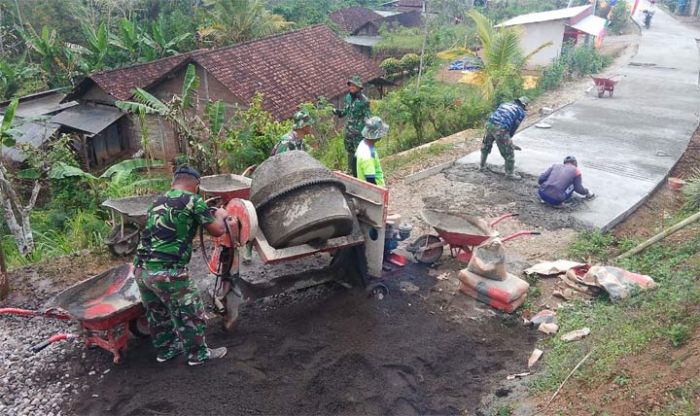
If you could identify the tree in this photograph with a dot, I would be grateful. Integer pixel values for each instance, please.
(16, 213)
(234, 21)
(503, 59)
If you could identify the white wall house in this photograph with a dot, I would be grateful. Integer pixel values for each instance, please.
(557, 26)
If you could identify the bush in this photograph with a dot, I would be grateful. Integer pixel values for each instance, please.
(585, 60)
(619, 17)
(390, 66)
(410, 62)
(691, 192)
(553, 75)
(678, 334)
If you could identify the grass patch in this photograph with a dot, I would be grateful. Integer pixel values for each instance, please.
(684, 400)
(665, 314)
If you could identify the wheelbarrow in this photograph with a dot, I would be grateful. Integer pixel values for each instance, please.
(107, 307)
(462, 233)
(603, 85)
(128, 217)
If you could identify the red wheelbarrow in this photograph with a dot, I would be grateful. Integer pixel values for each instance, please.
(107, 306)
(461, 232)
(603, 85)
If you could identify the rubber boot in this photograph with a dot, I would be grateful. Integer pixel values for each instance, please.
(510, 167)
(482, 164)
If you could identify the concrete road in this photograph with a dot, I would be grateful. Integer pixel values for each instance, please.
(626, 145)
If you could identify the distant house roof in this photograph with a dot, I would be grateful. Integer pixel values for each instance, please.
(39, 104)
(88, 118)
(560, 14)
(120, 83)
(363, 40)
(288, 69)
(34, 132)
(352, 18)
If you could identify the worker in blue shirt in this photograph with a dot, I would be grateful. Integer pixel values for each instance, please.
(500, 128)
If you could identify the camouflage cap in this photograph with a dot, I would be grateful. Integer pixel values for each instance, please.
(356, 81)
(524, 101)
(375, 128)
(302, 119)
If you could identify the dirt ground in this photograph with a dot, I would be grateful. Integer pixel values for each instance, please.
(329, 351)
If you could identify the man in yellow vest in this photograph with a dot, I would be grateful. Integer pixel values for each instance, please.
(367, 159)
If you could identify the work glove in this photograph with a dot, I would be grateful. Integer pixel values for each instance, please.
(516, 147)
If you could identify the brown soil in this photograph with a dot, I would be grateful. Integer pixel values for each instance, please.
(330, 351)
(654, 382)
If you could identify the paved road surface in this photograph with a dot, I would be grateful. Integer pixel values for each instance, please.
(626, 145)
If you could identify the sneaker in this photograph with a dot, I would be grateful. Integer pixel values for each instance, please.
(513, 176)
(170, 353)
(212, 354)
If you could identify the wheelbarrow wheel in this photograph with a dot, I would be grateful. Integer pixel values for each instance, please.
(139, 327)
(601, 92)
(430, 255)
(122, 247)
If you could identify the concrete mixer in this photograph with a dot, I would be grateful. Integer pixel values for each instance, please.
(294, 208)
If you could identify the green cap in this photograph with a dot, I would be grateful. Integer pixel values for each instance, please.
(375, 128)
(302, 119)
(524, 101)
(356, 81)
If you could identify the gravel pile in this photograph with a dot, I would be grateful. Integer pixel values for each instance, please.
(43, 383)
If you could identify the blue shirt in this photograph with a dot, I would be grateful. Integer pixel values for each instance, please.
(560, 181)
(508, 116)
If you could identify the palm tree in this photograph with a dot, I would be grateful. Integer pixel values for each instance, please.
(502, 56)
(233, 21)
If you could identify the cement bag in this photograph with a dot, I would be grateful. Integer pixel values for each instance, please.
(489, 260)
(505, 307)
(618, 282)
(504, 291)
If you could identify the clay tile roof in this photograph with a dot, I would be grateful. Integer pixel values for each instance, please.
(121, 82)
(289, 68)
(353, 18)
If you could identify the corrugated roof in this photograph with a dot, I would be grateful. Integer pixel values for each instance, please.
(35, 133)
(88, 118)
(559, 14)
(363, 40)
(593, 25)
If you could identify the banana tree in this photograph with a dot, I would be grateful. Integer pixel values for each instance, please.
(128, 40)
(158, 45)
(97, 50)
(15, 213)
(234, 21)
(112, 179)
(502, 56)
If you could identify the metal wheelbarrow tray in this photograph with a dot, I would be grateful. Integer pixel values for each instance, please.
(462, 233)
(106, 306)
(131, 213)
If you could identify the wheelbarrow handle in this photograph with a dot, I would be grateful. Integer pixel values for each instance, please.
(54, 338)
(519, 234)
(28, 312)
(501, 218)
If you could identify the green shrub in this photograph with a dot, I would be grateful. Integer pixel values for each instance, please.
(691, 192)
(619, 17)
(390, 66)
(678, 334)
(410, 62)
(585, 60)
(553, 75)
(591, 244)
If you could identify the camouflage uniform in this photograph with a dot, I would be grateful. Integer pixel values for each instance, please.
(290, 141)
(174, 309)
(500, 127)
(356, 109)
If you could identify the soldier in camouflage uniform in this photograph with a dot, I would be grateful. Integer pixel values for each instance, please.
(357, 110)
(174, 309)
(294, 140)
(500, 128)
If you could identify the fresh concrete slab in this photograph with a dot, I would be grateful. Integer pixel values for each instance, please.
(626, 145)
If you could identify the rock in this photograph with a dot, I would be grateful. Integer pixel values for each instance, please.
(576, 335)
(548, 328)
(534, 357)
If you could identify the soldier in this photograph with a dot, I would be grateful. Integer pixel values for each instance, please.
(356, 109)
(368, 167)
(174, 309)
(500, 127)
(294, 140)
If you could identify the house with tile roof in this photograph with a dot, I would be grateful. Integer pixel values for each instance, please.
(287, 69)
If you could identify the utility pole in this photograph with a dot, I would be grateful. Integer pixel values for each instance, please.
(425, 40)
